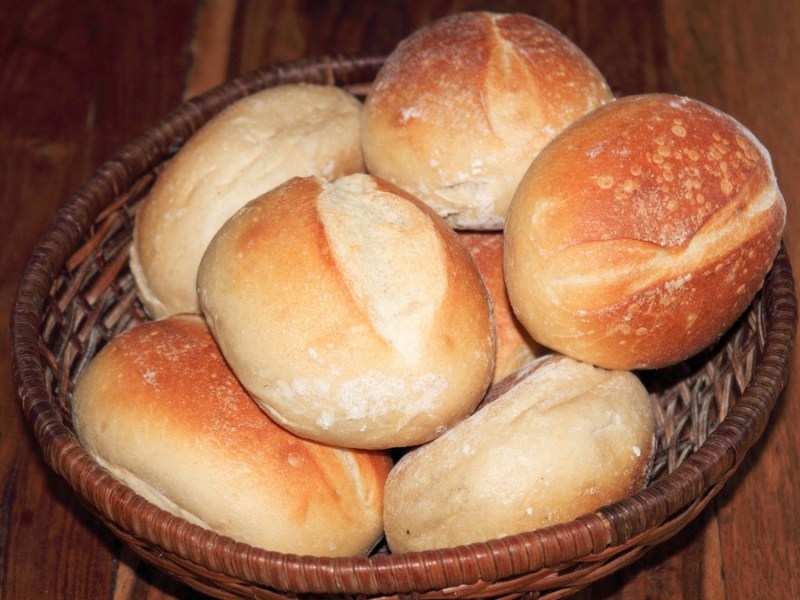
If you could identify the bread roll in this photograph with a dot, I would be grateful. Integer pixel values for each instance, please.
(515, 347)
(160, 409)
(255, 144)
(460, 109)
(560, 439)
(642, 232)
(350, 311)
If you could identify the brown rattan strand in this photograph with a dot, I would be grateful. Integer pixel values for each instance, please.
(77, 293)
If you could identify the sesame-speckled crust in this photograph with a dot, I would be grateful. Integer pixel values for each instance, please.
(642, 232)
(161, 410)
(350, 311)
(461, 108)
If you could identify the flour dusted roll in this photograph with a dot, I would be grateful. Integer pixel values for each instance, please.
(515, 347)
(160, 409)
(560, 439)
(350, 311)
(254, 145)
(460, 109)
(642, 232)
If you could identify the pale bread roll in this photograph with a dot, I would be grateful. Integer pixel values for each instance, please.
(515, 347)
(254, 145)
(461, 108)
(350, 311)
(642, 232)
(159, 408)
(560, 439)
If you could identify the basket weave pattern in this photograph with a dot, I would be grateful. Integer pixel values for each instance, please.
(77, 293)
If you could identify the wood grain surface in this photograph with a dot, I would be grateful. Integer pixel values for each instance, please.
(79, 78)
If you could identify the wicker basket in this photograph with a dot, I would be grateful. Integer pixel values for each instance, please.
(77, 293)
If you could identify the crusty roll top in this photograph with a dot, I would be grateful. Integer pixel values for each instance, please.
(160, 409)
(460, 108)
(655, 169)
(350, 311)
(560, 439)
(249, 148)
(641, 233)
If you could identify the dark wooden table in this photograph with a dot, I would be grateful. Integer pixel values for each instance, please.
(79, 78)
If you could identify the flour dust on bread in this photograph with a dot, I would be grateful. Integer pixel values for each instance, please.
(252, 146)
(460, 109)
(642, 232)
(350, 311)
(159, 408)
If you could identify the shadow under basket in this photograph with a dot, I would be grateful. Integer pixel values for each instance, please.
(77, 293)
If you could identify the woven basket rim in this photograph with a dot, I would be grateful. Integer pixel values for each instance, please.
(590, 534)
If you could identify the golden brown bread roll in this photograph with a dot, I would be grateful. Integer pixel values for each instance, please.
(515, 347)
(460, 109)
(350, 311)
(252, 146)
(160, 409)
(558, 439)
(642, 232)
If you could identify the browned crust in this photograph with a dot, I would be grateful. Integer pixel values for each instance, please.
(271, 277)
(641, 234)
(515, 347)
(160, 408)
(459, 109)
(654, 168)
(170, 371)
(465, 48)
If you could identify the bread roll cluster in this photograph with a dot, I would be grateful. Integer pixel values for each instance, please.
(462, 272)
